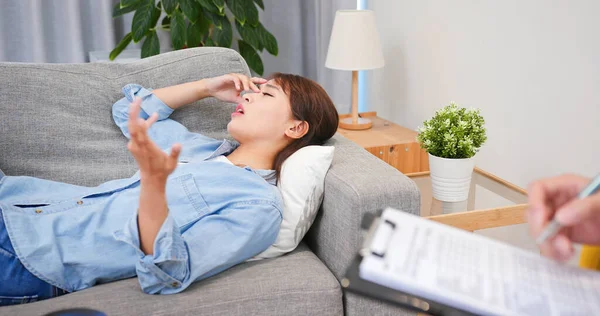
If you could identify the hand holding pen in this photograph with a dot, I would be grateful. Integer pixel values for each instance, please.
(564, 210)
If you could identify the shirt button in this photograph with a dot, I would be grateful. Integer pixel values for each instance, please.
(79, 202)
(38, 211)
(175, 284)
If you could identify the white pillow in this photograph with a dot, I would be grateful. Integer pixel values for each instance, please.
(301, 185)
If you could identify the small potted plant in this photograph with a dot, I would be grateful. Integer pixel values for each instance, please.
(452, 137)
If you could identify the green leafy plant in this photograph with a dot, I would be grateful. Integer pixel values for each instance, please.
(453, 132)
(195, 23)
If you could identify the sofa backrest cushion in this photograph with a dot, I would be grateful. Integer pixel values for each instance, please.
(56, 121)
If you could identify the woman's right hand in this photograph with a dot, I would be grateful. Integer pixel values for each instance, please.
(557, 198)
(155, 165)
(228, 88)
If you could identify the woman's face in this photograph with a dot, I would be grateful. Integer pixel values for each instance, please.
(263, 116)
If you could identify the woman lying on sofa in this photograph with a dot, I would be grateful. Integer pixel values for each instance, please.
(157, 225)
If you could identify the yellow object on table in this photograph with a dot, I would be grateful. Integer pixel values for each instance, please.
(590, 257)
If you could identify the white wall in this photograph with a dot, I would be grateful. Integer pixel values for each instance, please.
(532, 66)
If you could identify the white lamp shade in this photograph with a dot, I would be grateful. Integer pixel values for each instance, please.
(354, 42)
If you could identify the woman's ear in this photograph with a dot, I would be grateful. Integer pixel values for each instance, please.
(297, 130)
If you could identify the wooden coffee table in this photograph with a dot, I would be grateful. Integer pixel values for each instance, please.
(492, 202)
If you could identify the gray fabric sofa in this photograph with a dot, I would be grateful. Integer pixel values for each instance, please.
(56, 123)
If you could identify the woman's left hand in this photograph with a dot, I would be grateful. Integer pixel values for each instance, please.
(228, 88)
(155, 165)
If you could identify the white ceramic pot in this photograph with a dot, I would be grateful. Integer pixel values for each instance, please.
(451, 178)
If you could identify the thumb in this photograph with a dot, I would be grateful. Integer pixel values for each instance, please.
(579, 210)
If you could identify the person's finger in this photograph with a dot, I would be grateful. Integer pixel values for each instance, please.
(134, 107)
(579, 210)
(143, 141)
(244, 81)
(151, 120)
(254, 87)
(548, 249)
(538, 212)
(258, 80)
(548, 194)
(236, 82)
(132, 128)
(563, 247)
(134, 111)
(140, 136)
(173, 157)
(175, 151)
(568, 184)
(132, 147)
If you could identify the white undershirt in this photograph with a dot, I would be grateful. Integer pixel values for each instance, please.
(220, 158)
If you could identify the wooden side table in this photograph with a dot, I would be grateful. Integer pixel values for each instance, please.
(492, 202)
(390, 142)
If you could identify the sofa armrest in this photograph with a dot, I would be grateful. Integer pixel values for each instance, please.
(357, 183)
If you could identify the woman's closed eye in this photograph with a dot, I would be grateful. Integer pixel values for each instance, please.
(265, 93)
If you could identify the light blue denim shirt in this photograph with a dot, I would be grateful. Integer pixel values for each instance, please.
(74, 237)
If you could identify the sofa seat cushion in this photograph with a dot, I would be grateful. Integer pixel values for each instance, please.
(296, 283)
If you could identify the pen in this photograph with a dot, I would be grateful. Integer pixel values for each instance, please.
(555, 226)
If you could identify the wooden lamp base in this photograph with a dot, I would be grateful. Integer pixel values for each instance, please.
(354, 122)
(361, 124)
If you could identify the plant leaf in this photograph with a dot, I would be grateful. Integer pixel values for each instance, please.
(237, 8)
(220, 5)
(205, 24)
(169, 6)
(249, 34)
(151, 45)
(260, 4)
(223, 35)
(209, 42)
(203, 27)
(251, 56)
(155, 16)
(126, 3)
(214, 18)
(251, 12)
(142, 19)
(166, 22)
(120, 47)
(191, 9)
(195, 32)
(244, 11)
(178, 30)
(118, 10)
(210, 6)
(268, 40)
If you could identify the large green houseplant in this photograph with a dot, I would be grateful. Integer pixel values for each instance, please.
(195, 23)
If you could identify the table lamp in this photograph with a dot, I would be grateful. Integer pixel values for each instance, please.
(354, 45)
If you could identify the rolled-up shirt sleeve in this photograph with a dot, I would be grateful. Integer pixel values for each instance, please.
(213, 244)
(165, 132)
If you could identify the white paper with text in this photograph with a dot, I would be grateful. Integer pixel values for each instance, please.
(474, 273)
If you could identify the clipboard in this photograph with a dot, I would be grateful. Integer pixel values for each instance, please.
(352, 282)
